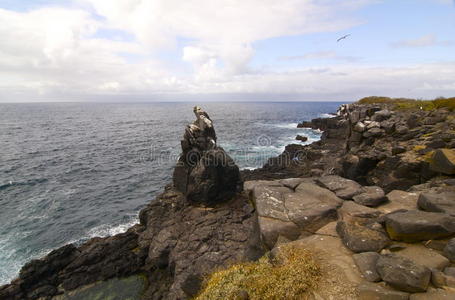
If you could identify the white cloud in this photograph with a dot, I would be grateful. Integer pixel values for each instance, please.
(321, 55)
(423, 41)
(62, 54)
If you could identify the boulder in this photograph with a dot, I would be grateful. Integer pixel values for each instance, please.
(414, 225)
(370, 196)
(373, 132)
(381, 115)
(399, 200)
(443, 161)
(366, 262)
(351, 211)
(289, 213)
(424, 256)
(442, 280)
(442, 201)
(403, 273)
(342, 187)
(360, 127)
(271, 229)
(375, 291)
(362, 238)
(205, 173)
(311, 206)
(449, 250)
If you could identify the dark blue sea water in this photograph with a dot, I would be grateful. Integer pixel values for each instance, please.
(71, 171)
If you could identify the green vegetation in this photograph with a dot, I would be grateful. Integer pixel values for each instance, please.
(288, 276)
(405, 103)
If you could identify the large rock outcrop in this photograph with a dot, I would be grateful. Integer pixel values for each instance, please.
(205, 173)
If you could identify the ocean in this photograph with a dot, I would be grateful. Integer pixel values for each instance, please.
(72, 171)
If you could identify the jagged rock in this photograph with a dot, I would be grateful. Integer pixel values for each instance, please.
(413, 225)
(205, 173)
(351, 211)
(381, 115)
(443, 161)
(399, 200)
(271, 229)
(373, 132)
(398, 150)
(362, 238)
(366, 262)
(301, 138)
(370, 196)
(449, 250)
(401, 129)
(374, 291)
(403, 274)
(441, 201)
(342, 187)
(360, 127)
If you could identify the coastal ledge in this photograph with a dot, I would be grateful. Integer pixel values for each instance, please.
(318, 196)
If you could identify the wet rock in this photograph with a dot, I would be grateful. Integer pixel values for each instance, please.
(443, 161)
(301, 138)
(205, 173)
(342, 187)
(403, 274)
(449, 250)
(370, 196)
(366, 262)
(441, 201)
(361, 238)
(370, 291)
(413, 225)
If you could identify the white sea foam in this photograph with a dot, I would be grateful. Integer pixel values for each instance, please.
(327, 115)
(109, 230)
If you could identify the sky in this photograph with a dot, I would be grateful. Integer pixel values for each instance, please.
(225, 50)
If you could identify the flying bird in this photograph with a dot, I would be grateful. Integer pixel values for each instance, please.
(343, 37)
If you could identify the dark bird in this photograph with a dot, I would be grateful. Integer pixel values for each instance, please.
(343, 37)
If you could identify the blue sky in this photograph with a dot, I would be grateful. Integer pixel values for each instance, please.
(85, 50)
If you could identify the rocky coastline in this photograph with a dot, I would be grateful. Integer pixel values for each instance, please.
(373, 200)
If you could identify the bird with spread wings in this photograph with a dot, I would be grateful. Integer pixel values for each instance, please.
(343, 37)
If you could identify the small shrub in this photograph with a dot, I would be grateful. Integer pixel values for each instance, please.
(404, 103)
(290, 276)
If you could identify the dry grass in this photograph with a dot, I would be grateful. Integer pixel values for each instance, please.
(293, 273)
(404, 103)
